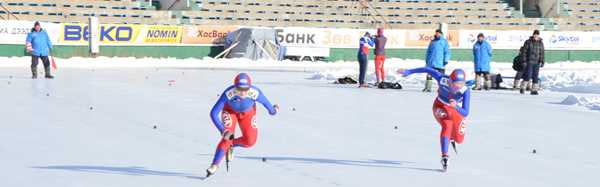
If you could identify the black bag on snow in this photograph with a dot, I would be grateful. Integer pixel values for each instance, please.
(389, 85)
(346, 80)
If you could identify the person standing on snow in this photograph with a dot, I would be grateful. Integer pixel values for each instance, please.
(519, 66)
(534, 56)
(363, 58)
(450, 107)
(437, 57)
(39, 45)
(482, 53)
(380, 41)
(237, 105)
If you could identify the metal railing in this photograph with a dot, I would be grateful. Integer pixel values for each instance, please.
(8, 14)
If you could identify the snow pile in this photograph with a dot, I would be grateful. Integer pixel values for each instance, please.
(574, 77)
(583, 81)
(592, 103)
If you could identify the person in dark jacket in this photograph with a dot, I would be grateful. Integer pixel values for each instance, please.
(482, 54)
(519, 66)
(380, 41)
(363, 58)
(534, 57)
(437, 57)
(39, 45)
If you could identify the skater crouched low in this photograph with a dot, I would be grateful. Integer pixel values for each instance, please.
(450, 107)
(237, 105)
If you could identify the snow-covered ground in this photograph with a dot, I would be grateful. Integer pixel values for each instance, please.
(94, 126)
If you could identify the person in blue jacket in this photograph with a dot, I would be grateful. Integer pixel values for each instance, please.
(450, 107)
(437, 57)
(363, 58)
(482, 53)
(237, 105)
(39, 45)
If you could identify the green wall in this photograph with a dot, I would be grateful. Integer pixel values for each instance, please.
(123, 51)
(500, 55)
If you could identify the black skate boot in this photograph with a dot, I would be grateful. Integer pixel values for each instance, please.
(444, 163)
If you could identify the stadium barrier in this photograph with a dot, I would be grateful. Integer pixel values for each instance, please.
(129, 40)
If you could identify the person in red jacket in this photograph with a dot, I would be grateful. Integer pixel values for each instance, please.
(380, 41)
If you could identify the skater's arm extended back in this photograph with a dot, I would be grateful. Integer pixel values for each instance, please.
(434, 73)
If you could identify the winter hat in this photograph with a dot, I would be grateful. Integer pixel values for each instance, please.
(34, 25)
(380, 31)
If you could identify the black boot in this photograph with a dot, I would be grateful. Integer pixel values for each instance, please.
(534, 89)
(34, 72)
(523, 87)
(48, 75)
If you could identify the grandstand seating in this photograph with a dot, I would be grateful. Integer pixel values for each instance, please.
(398, 14)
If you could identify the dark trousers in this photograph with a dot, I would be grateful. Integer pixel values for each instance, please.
(519, 75)
(482, 73)
(34, 61)
(362, 64)
(531, 73)
(442, 71)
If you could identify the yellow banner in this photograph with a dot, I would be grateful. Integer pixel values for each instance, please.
(162, 34)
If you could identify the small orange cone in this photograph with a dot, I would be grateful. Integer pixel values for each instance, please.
(53, 63)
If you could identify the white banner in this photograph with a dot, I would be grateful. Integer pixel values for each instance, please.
(498, 39)
(564, 40)
(15, 32)
(551, 39)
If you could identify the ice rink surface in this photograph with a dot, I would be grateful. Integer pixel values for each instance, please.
(96, 127)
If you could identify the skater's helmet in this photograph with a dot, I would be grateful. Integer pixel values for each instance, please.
(457, 79)
(458, 75)
(242, 81)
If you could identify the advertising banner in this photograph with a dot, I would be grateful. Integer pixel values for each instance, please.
(159, 34)
(422, 38)
(110, 34)
(333, 38)
(15, 32)
(563, 39)
(209, 35)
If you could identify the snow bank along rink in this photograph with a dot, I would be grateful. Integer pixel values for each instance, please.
(101, 124)
(580, 78)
